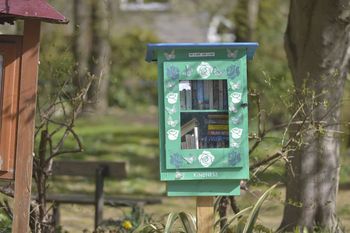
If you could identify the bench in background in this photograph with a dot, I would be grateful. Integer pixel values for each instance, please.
(99, 170)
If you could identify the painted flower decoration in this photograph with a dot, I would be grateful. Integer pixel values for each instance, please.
(173, 134)
(176, 160)
(232, 71)
(206, 159)
(234, 158)
(172, 98)
(236, 97)
(236, 133)
(173, 72)
(204, 69)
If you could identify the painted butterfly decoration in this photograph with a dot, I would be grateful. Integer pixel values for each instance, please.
(231, 54)
(172, 122)
(171, 84)
(188, 71)
(169, 55)
(232, 108)
(171, 110)
(179, 175)
(236, 119)
(234, 85)
(189, 160)
(217, 72)
(235, 144)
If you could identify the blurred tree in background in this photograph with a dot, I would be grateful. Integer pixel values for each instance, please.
(132, 79)
(270, 77)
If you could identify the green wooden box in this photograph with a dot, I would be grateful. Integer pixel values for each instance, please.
(203, 116)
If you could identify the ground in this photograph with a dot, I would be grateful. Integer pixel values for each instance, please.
(133, 137)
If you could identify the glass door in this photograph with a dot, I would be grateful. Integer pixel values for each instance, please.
(204, 103)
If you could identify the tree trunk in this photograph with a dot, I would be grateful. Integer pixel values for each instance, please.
(252, 18)
(81, 42)
(100, 58)
(316, 43)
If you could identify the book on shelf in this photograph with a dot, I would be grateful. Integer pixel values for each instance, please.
(218, 116)
(204, 94)
(221, 94)
(189, 135)
(218, 127)
(188, 99)
(211, 94)
(224, 95)
(190, 141)
(218, 132)
(216, 141)
(194, 95)
(217, 138)
(200, 94)
(183, 99)
(216, 95)
(217, 121)
(189, 126)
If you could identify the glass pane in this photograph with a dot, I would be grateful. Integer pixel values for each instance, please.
(203, 94)
(204, 130)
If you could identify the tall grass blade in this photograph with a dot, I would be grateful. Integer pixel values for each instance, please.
(253, 216)
(172, 217)
(188, 222)
(239, 214)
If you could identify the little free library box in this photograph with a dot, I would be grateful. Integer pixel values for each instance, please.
(203, 116)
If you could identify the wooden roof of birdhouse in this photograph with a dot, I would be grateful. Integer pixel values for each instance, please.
(11, 10)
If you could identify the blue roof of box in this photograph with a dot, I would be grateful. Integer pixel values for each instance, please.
(152, 49)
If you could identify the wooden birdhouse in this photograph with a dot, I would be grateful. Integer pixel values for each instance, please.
(19, 58)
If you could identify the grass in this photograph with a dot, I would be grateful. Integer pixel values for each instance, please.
(133, 137)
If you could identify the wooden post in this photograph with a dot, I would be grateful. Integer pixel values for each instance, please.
(99, 195)
(205, 214)
(26, 121)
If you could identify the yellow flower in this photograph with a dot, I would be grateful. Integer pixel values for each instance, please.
(127, 224)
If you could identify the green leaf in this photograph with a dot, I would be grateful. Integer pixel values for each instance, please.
(172, 217)
(248, 228)
(239, 214)
(188, 222)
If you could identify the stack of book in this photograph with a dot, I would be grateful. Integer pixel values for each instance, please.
(189, 135)
(204, 94)
(218, 131)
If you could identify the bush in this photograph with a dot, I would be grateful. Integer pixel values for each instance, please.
(132, 81)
